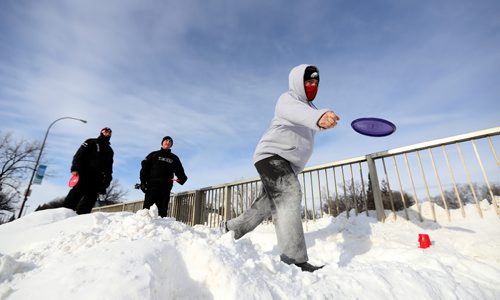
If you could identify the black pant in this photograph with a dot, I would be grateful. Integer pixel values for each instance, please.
(83, 196)
(159, 195)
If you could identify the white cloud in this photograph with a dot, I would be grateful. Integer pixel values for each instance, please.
(209, 74)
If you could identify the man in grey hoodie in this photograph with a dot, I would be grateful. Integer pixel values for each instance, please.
(281, 154)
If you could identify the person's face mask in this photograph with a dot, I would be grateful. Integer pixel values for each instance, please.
(311, 87)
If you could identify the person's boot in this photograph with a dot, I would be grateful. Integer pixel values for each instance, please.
(305, 266)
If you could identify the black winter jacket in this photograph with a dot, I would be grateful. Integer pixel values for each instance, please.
(159, 167)
(94, 159)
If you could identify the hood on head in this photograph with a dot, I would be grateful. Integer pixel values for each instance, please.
(296, 81)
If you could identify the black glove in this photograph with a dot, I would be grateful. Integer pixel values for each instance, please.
(181, 180)
(144, 187)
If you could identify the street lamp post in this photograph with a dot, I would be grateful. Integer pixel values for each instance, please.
(27, 192)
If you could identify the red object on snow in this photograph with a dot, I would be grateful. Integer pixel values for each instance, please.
(424, 241)
(73, 180)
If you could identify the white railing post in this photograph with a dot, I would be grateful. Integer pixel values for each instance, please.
(377, 194)
(227, 203)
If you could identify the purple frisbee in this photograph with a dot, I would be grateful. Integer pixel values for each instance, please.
(373, 127)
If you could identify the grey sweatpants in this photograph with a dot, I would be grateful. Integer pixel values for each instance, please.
(280, 198)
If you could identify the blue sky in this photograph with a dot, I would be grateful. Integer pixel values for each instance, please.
(208, 73)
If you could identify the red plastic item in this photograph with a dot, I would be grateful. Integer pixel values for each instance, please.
(424, 241)
(73, 180)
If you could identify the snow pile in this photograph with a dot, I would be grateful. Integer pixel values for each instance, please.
(55, 254)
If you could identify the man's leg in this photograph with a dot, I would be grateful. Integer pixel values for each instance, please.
(87, 202)
(74, 195)
(260, 210)
(154, 196)
(167, 201)
(283, 188)
(163, 199)
(148, 200)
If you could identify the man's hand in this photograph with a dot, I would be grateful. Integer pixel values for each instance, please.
(328, 120)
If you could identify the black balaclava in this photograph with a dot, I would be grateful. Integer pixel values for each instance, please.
(104, 138)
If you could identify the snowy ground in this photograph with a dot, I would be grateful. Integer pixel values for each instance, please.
(55, 254)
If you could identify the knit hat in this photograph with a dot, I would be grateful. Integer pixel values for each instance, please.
(311, 72)
(167, 138)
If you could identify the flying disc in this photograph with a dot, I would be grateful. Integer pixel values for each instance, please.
(373, 127)
(73, 180)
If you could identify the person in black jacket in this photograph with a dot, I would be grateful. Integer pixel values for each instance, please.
(157, 176)
(93, 163)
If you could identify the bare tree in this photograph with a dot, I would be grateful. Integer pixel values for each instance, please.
(114, 194)
(349, 196)
(17, 159)
(463, 194)
(6, 216)
(56, 203)
(5, 203)
(361, 198)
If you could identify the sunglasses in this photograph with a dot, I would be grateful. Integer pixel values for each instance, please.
(106, 129)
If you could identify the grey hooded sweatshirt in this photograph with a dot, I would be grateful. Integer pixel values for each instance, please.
(295, 122)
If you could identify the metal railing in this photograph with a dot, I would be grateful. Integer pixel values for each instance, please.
(127, 206)
(416, 179)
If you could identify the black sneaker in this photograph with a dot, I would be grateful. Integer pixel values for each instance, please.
(305, 266)
(223, 227)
